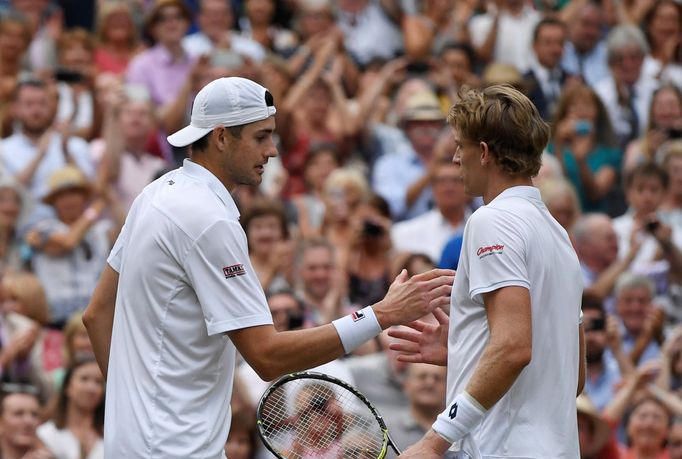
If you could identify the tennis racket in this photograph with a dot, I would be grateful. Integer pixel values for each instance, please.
(311, 415)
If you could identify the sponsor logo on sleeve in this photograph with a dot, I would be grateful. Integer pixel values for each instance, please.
(357, 315)
(488, 250)
(234, 271)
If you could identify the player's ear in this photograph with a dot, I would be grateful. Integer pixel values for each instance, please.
(484, 151)
(220, 137)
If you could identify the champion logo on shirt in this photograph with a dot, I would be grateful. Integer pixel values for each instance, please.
(234, 271)
(487, 250)
(357, 315)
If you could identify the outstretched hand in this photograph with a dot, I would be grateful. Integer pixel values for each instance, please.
(425, 342)
(408, 299)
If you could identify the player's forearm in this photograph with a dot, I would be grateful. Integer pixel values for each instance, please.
(273, 354)
(497, 370)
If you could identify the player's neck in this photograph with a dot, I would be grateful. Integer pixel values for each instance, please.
(498, 182)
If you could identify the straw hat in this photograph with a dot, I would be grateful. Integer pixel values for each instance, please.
(602, 431)
(67, 178)
(422, 106)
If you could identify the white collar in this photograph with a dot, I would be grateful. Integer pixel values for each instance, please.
(202, 174)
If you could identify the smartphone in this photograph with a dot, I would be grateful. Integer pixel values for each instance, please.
(68, 76)
(418, 67)
(371, 229)
(583, 128)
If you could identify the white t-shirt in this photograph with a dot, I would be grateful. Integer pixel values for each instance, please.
(514, 241)
(64, 444)
(184, 280)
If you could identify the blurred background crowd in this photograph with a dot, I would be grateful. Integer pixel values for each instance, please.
(364, 185)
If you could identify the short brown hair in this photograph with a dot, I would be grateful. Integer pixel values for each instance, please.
(262, 207)
(77, 36)
(507, 121)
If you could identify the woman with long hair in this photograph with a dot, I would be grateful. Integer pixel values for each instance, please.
(77, 425)
(584, 144)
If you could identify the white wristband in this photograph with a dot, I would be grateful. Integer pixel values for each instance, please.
(354, 329)
(460, 418)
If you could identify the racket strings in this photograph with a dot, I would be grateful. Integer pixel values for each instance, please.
(311, 419)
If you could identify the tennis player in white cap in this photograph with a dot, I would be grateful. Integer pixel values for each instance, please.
(179, 293)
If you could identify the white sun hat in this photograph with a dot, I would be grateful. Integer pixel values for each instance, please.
(232, 101)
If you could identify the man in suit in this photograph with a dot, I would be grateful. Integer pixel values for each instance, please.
(545, 78)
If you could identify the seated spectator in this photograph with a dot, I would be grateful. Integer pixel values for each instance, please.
(402, 176)
(241, 441)
(424, 386)
(270, 250)
(458, 65)
(582, 140)
(585, 53)
(314, 110)
(125, 162)
(671, 209)
(366, 259)
(626, 93)
(320, 282)
(344, 190)
(545, 78)
(75, 83)
(19, 418)
(371, 29)
(647, 430)
(258, 25)
(15, 36)
(669, 377)
(427, 31)
(596, 245)
(413, 263)
(428, 233)
(166, 70)
(75, 346)
(504, 33)
(216, 21)
(642, 322)
(71, 249)
(663, 26)
(322, 160)
(23, 313)
(38, 150)
(603, 353)
(15, 205)
(665, 125)
(562, 202)
(76, 428)
(659, 256)
(117, 38)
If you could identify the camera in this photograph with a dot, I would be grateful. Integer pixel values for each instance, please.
(652, 225)
(597, 324)
(371, 229)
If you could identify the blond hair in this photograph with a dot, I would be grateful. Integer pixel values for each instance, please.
(507, 121)
(28, 291)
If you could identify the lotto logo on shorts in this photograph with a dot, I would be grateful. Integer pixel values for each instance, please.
(357, 315)
(234, 271)
(489, 250)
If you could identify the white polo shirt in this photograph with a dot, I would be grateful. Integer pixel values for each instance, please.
(184, 280)
(514, 241)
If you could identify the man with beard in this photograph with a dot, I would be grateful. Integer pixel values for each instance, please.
(37, 150)
(602, 374)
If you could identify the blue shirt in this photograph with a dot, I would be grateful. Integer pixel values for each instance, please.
(592, 66)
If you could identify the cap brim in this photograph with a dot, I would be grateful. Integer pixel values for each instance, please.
(187, 135)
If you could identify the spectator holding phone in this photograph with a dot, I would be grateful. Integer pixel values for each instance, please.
(583, 141)
(665, 124)
(659, 257)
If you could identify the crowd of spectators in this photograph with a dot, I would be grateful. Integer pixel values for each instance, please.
(364, 185)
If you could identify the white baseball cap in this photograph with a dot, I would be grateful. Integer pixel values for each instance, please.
(232, 101)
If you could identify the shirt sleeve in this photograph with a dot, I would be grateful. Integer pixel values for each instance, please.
(386, 182)
(116, 255)
(225, 283)
(496, 246)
